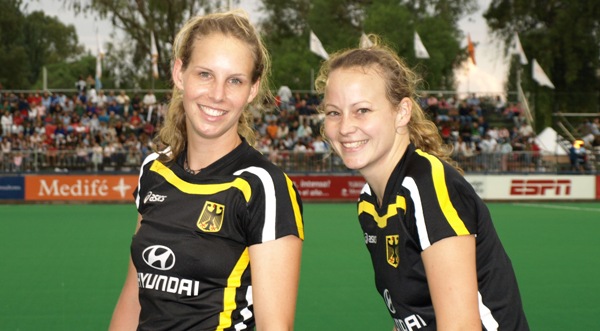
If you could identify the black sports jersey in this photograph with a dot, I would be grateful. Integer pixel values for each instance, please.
(191, 250)
(427, 200)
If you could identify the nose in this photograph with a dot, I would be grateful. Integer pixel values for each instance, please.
(347, 125)
(217, 91)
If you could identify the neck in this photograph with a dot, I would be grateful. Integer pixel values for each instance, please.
(379, 174)
(202, 154)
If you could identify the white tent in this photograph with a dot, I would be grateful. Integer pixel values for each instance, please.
(551, 142)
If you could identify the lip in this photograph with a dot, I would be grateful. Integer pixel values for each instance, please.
(353, 145)
(212, 112)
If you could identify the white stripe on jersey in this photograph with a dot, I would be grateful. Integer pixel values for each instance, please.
(410, 184)
(485, 314)
(246, 313)
(148, 159)
(270, 200)
(488, 321)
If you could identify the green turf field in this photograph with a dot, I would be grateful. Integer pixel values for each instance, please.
(62, 266)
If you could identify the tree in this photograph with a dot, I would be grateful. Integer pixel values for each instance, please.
(48, 41)
(13, 54)
(30, 42)
(339, 24)
(137, 20)
(436, 21)
(563, 36)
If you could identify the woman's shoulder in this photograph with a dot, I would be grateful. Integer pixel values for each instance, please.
(428, 167)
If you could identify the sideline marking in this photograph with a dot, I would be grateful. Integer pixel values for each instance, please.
(556, 207)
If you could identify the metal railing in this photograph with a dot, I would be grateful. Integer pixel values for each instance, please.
(61, 161)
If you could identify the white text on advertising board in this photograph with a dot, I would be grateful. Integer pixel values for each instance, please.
(81, 188)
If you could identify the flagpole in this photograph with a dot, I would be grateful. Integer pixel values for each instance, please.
(312, 80)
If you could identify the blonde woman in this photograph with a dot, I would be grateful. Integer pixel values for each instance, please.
(439, 264)
(220, 229)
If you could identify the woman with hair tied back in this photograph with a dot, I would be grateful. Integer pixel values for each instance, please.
(219, 234)
(438, 261)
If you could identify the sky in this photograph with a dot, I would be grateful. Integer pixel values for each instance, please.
(487, 77)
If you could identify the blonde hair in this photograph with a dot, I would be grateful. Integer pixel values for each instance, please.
(234, 24)
(400, 81)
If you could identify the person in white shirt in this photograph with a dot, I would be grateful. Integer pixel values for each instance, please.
(149, 102)
(6, 122)
(285, 95)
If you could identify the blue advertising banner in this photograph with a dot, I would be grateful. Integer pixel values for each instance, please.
(12, 188)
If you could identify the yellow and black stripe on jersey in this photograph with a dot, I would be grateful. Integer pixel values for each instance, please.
(191, 251)
(426, 200)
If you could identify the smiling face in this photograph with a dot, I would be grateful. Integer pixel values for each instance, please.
(363, 126)
(216, 86)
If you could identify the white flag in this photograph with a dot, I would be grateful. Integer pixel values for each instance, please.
(154, 53)
(365, 42)
(316, 46)
(420, 50)
(99, 57)
(540, 76)
(517, 49)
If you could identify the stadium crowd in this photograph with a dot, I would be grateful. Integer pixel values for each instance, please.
(113, 130)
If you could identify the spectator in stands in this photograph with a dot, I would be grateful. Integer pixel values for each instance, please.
(149, 103)
(285, 96)
(6, 122)
(123, 102)
(135, 123)
(443, 112)
(304, 130)
(17, 122)
(578, 156)
(101, 99)
(464, 113)
(283, 130)
(82, 157)
(96, 156)
(526, 130)
(272, 130)
(505, 149)
(80, 84)
(489, 149)
(6, 148)
(82, 98)
(260, 126)
(432, 106)
(321, 150)
(512, 111)
(92, 95)
(499, 105)
(439, 225)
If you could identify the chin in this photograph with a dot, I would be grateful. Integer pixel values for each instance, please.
(353, 165)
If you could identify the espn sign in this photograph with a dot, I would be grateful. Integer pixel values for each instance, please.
(534, 187)
(541, 187)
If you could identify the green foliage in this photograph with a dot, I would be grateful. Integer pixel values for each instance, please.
(13, 54)
(63, 75)
(340, 23)
(137, 20)
(30, 42)
(563, 36)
